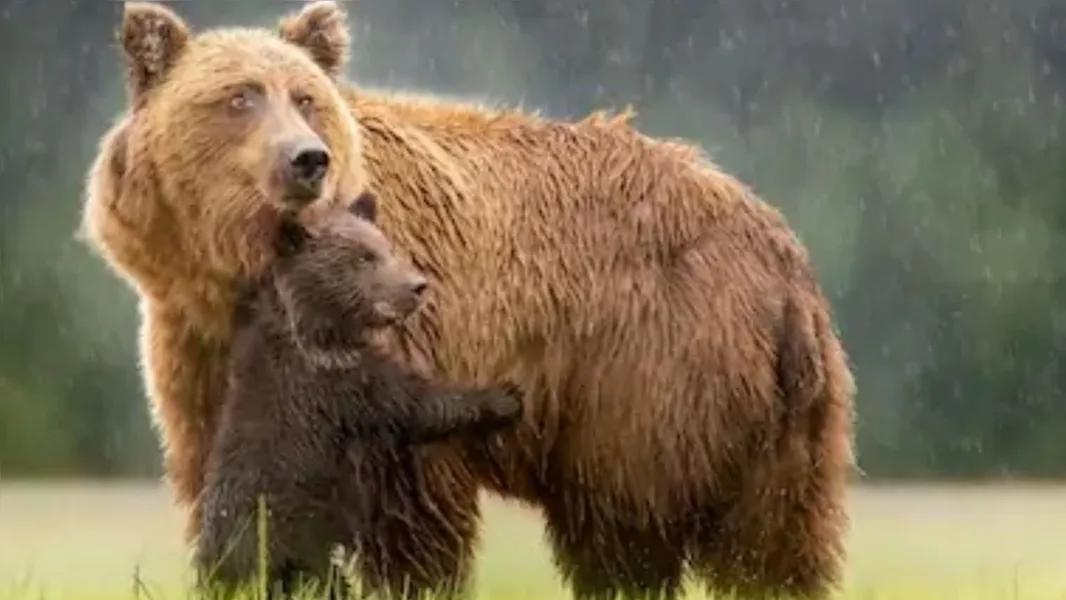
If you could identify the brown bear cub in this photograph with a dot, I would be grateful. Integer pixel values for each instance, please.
(325, 427)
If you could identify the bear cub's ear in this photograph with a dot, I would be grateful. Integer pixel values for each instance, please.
(320, 28)
(291, 236)
(152, 37)
(365, 206)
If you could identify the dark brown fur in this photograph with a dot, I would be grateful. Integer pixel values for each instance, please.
(325, 427)
(687, 401)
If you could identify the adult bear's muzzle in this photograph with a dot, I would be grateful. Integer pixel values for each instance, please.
(306, 162)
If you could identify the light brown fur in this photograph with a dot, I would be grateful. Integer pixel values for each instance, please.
(687, 399)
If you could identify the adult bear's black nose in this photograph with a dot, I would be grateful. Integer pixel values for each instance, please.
(308, 164)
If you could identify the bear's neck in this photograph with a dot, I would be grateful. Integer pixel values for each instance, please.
(321, 358)
(207, 308)
(327, 346)
(323, 344)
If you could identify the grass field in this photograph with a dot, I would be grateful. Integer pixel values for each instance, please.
(81, 541)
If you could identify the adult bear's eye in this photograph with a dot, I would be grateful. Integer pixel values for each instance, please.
(304, 102)
(240, 101)
(244, 97)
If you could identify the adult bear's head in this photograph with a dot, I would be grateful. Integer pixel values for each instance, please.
(223, 129)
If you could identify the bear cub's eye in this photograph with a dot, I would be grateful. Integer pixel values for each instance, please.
(367, 257)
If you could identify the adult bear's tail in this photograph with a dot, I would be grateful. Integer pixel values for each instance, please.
(801, 368)
(816, 385)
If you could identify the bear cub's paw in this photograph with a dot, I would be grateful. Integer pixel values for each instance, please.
(500, 405)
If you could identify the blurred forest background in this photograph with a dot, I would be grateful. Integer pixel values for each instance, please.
(915, 145)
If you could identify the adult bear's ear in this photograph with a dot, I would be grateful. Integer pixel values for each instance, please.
(365, 207)
(320, 28)
(152, 37)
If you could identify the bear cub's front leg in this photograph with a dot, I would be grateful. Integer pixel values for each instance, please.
(442, 413)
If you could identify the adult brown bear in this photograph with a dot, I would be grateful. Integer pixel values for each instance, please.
(687, 399)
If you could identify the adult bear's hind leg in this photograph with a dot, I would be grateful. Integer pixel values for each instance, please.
(784, 535)
(603, 557)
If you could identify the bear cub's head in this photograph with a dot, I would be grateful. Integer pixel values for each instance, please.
(339, 280)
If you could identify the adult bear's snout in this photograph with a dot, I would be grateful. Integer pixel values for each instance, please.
(306, 164)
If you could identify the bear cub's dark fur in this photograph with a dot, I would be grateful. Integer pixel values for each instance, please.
(321, 424)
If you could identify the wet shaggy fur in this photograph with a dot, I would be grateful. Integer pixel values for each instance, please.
(325, 427)
(687, 400)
